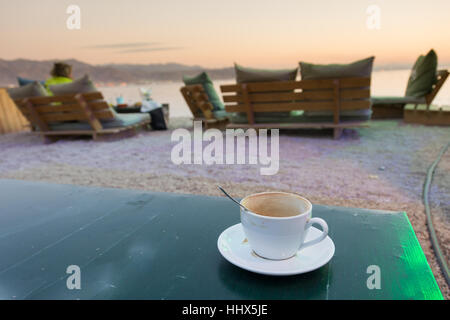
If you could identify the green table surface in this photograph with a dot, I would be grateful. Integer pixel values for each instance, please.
(147, 245)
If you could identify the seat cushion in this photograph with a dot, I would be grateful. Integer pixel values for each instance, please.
(396, 100)
(221, 114)
(263, 117)
(204, 80)
(121, 120)
(361, 68)
(246, 75)
(33, 89)
(345, 115)
(423, 75)
(303, 117)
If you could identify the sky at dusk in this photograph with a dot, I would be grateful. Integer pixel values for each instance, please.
(215, 33)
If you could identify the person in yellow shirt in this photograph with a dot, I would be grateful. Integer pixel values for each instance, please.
(61, 73)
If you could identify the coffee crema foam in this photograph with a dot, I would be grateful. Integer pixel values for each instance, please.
(276, 204)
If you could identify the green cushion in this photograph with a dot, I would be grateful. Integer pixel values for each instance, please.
(396, 100)
(245, 75)
(423, 75)
(362, 114)
(121, 120)
(33, 89)
(239, 117)
(303, 117)
(208, 86)
(361, 68)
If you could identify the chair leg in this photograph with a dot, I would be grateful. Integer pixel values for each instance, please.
(337, 133)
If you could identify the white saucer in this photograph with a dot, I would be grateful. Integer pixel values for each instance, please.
(234, 247)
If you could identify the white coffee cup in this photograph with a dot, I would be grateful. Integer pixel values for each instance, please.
(277, 223)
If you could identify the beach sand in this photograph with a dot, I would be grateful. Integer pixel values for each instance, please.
(380, 167)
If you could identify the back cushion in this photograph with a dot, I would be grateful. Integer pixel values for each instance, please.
(204, 80)
(245, 75)
(361, 68)
(81, 85)
(33, 89)
(23, 81)
(423, 75)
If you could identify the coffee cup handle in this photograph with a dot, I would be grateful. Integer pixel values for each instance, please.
(324, 226)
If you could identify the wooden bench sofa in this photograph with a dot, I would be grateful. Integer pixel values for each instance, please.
(77, 114)
(325, 103)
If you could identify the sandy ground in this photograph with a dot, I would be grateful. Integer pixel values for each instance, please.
(381, 167)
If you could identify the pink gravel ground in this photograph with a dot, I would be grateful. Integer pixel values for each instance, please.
(381, 167)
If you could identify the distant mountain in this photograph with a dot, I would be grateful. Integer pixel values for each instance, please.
(111, 73)
(118, 73)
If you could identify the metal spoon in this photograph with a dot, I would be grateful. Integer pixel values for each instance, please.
(221, 189)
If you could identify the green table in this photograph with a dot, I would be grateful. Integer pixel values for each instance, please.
(147, 245)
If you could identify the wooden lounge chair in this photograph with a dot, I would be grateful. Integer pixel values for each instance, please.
(77, 114)
(392, 107)
(201, 108)
(327, 103)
